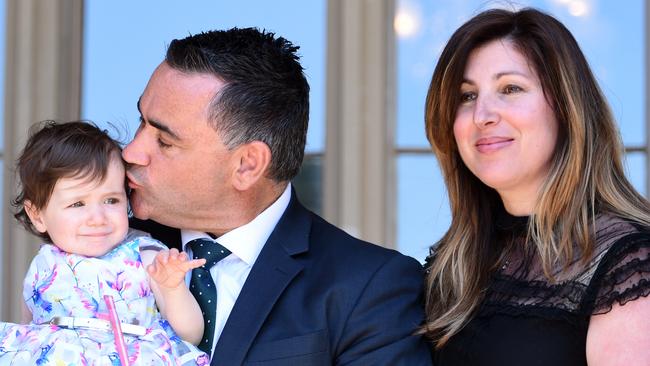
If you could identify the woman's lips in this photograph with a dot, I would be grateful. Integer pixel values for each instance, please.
(491, 144)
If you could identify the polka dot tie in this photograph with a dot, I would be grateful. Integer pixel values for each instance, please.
(203, 288)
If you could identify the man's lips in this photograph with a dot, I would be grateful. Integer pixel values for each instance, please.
(490, 144)
(130, 182)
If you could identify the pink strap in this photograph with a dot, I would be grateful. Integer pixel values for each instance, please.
(117, 330)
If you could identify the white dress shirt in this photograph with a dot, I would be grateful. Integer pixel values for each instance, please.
(245, 243)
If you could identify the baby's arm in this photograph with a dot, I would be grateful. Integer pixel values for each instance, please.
(167, 271)
(26, 315)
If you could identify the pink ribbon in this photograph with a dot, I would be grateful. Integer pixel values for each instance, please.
(120, 345)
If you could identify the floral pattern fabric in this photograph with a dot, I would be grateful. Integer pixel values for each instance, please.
(69, 285)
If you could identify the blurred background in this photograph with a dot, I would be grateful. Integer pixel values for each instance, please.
(368, 167)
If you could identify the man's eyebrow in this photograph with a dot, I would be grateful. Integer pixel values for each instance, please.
(158, 125)
(164, 128)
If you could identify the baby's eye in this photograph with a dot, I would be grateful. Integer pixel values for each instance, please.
(77, 204)
(509, 89)
(467, 97)
(112, 201)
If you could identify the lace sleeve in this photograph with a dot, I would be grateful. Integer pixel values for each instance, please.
(623, 274)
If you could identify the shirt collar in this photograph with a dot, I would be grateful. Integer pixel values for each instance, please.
(246, 242)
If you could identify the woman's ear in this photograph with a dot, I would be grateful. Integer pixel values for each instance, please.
(34, 215)
(254, 159)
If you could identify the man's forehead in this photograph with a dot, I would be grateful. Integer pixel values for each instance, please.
(173, 98)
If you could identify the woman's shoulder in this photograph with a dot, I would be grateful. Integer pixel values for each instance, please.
(622, 263)
(619, 241)
(611, 229)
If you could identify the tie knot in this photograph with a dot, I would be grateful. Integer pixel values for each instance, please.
(211, 251)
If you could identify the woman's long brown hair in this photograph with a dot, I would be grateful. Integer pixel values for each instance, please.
(586, 175)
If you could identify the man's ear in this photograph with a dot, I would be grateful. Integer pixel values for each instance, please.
(254, 158)
(34, 215)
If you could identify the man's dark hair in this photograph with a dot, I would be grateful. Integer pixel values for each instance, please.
(60, 150)
(266, 96)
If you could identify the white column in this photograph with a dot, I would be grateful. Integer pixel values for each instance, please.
(359, 169)
(42, 81)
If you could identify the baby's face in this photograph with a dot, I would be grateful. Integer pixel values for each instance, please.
(86, 217)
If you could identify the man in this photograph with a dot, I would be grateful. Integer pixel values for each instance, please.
(222, 133)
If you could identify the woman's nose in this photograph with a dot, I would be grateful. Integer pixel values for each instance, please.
(486, 112)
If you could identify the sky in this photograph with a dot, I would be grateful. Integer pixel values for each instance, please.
(119, 56)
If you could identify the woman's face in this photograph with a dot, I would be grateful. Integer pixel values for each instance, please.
(505, 129)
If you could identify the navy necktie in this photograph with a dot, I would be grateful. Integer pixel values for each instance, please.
(203, 288)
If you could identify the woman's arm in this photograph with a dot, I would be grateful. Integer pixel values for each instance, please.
(621, 336)
(167, 271)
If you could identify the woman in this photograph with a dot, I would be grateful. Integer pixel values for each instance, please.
(547, 260)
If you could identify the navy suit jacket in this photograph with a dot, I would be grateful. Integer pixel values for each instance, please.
(317, 296)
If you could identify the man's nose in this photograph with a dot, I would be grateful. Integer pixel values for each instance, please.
(135, 153)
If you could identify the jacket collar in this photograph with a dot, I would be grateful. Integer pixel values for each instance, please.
(274, 269)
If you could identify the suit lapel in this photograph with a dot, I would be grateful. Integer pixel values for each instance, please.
(272, 272)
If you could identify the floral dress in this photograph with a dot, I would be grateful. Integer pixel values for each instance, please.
(59, 284)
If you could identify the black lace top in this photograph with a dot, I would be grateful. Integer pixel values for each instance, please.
(527, 320)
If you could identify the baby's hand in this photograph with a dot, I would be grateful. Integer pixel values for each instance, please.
(169, 267)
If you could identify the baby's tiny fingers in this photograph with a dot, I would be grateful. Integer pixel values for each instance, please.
(162, 256)
(195, 263)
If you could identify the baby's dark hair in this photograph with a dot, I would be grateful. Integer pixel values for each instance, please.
(59, 150)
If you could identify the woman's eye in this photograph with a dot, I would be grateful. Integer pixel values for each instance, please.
(511, 89)
(467, 97)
